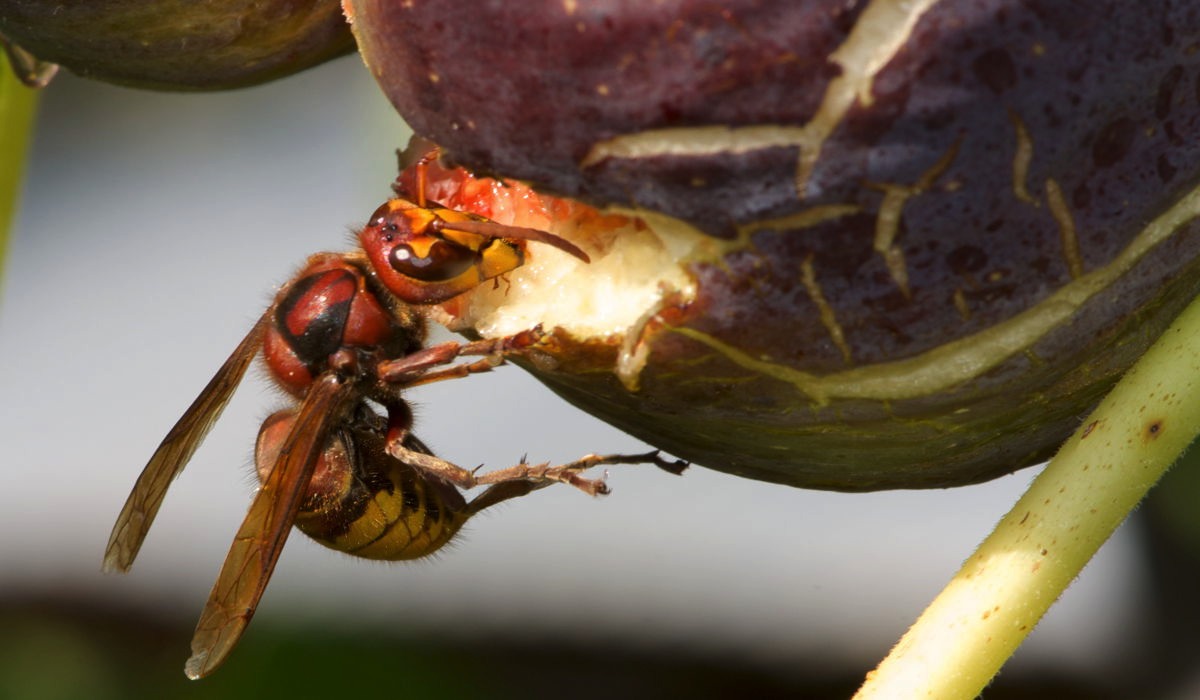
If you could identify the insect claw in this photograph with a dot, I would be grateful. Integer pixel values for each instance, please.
(523, 339)
(673, 466)
(592, 487)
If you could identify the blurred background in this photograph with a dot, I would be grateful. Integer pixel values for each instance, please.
(154, 229)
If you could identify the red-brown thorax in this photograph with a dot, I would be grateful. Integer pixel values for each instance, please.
(327, 307)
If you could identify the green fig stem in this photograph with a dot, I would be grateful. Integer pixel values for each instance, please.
(16, 128)
(1099, 475)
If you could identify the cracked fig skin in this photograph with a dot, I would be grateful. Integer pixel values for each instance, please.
(912, 243)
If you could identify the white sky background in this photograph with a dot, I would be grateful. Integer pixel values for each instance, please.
(154, 230)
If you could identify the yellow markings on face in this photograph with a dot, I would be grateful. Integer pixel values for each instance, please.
(498, 258)
(1066, 227)
(887, 221)
(1022, 157)
(808, 277)
(879, 32)
(421, 245)
(967, 358)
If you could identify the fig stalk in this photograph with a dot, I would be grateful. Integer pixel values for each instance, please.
(16, 122)
(1099, 475)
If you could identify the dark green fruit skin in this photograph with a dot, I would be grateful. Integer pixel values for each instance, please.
(179, 44)
(1108, 94)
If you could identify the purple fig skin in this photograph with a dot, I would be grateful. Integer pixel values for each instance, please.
(179, 44)
(988, 231)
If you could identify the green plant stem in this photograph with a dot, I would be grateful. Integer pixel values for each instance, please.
(961, 640)
(16, 125)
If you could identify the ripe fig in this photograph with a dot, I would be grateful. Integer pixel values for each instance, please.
(177, 44)
(842, 245)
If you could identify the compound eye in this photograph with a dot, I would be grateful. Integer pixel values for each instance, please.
(442, 261)
(381, 215)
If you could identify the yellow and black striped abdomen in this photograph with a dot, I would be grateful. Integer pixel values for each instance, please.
(362, 501)
(393, 514)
